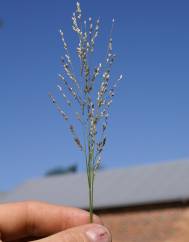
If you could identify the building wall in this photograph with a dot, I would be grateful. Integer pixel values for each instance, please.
(153, 225)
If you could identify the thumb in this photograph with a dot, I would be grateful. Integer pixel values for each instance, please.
(84, 233)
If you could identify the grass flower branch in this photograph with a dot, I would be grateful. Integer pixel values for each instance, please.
(91, 90)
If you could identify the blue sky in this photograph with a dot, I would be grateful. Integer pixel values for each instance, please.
(149, 119)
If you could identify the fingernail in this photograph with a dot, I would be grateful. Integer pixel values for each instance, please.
(98, 233)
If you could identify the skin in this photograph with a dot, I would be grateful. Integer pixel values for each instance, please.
(31, 220)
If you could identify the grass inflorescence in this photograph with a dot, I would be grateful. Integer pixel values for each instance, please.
(91, 90)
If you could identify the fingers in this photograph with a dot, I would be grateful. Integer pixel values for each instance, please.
(84, 233)
(37, 219)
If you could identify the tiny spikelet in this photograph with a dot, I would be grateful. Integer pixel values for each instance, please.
(68, 58)
(97, 164)
(78, 143)
(95, 35)
(75, 26)
(112, 90)
(78, 116)
(63, 40)
(111, 93)
(71, 75)
(63, 114)
(96, 73)
(72, 129)
(104, 126)
(101, 92)
(108, 103)
(104, 113)
(78, 10)
(64, 95)
(101, 145)
(75, 137)
(71, 90)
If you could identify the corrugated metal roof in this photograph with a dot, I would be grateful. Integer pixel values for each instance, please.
(146, 184)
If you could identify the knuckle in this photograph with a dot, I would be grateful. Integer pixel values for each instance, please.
(30, 206)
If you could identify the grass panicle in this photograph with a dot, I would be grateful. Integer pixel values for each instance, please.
(91, 90)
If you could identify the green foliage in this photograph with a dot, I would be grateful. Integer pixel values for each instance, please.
(62, 170)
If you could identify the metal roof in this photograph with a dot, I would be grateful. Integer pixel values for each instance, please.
(3, 194)
(139, 185)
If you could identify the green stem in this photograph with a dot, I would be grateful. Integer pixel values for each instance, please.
(91, 202)
(91, 185)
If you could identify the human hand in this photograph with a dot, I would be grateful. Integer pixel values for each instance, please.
(43, 222)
